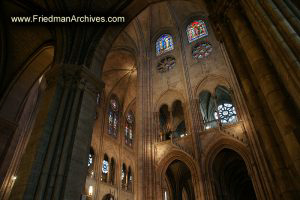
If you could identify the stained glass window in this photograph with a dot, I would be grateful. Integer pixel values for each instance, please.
(196, 30)
(91, 157)
(113, 117)
(123, 176)
(90, 161)
(129, 128)
(201, 50)
(165, 64)
(164, 44)
(105, 166)
(227, 113)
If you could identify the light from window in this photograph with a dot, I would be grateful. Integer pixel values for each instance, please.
(105, 167)
(164, 44)
(90, 161)
(113, 117)
(90, 190)
(129, 128)
(226, 112)
(196, 30)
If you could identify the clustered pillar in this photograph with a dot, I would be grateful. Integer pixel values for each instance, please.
(54, 165)
(275, 116)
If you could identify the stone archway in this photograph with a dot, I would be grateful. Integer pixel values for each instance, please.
(180, 182)
(241, 160)
(230, 177)
(187, 164)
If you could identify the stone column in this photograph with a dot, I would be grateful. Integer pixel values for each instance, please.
(275, 161)
(287, 31)
(285, 61)
(54, 165)
(289, 15)
(278, 103)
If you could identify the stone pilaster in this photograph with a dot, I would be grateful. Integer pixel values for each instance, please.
(54, 165)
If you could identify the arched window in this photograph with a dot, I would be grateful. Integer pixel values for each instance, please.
(225, 109)
(179, 129)
(91, 157)
(208, 109)
(123, 176)
(113, 116)
(112, 171)
(105, 166)
(165, 121)
(195, 30)
(129, 179)
(164, 44)
(129, 128)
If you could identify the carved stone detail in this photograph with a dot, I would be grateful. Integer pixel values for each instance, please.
(166, 63)
(201, 50)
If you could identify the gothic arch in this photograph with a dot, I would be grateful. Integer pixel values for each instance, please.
(18, 107)
(168, 98)
(131, 106)
(210, 82)
(163, 164)
(214, 148)
(32, 70)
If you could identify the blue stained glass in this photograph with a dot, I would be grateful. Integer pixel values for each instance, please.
(105, 167)
(164, 44)
(90, 161)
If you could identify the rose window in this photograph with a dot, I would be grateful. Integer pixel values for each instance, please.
(201, 50)
(226, 112)
(166, 64)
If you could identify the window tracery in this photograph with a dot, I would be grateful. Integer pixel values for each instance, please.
(226, 112)
(201, 50)
(165, 64)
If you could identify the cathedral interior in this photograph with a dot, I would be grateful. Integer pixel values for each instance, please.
(184, 100)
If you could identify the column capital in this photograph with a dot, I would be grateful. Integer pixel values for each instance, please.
(79, 75)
